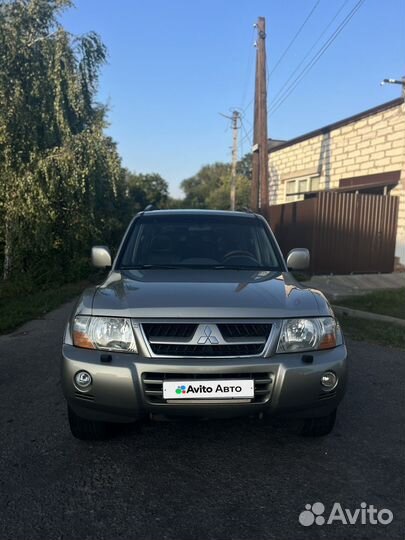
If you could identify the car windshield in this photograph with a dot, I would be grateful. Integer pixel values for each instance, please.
(199, 241)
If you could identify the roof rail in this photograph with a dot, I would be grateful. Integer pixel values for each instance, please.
(248, 210)
(149, 208)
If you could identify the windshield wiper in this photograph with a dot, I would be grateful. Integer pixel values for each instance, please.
(238, 267)
(198, 266)
(152, 267)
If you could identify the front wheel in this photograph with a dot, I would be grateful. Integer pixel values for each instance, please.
(318, 427)
(87, 430)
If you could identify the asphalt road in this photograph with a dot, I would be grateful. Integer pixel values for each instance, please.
(239, 479)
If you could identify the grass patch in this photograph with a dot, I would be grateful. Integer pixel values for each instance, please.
(373, 332)
(383, 302)
(18, 308)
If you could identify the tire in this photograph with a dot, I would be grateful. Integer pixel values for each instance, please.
(87, 430)
(319, 427)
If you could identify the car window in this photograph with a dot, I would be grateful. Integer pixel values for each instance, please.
(199, 240)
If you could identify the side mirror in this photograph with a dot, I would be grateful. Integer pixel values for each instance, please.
(100, 256)
(298, 259)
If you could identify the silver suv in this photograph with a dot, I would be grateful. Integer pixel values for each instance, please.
(200, 315)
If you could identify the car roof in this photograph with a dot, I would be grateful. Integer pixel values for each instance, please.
(202, 212)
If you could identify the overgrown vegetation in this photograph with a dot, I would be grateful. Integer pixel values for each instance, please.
(61, 181)
(62, 185)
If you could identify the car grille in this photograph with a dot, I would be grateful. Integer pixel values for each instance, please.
(206, 339)
(153, 384)
(241, 330)
(169, 330)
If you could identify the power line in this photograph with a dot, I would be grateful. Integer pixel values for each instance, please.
(249, 122)
(332, 20)
(269, 73)
(242, 138)
(316, 57)
(294, 38)
(246, 133)
(287, 91)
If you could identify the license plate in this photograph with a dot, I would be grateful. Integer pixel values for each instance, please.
(211, 389)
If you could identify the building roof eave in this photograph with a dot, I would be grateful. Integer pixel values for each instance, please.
(330, 127)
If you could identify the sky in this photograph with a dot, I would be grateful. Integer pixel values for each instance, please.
(173, 66)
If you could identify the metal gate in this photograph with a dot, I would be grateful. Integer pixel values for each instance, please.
(345, 232)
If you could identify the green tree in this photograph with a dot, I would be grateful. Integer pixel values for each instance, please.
(175, 203)
(61, 182)
(210, 188)
(244, 166)
(200, 189)
(145, 189)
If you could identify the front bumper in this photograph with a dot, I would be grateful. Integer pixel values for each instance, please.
(121, 389)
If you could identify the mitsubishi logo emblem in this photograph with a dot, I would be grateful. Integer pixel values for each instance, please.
(207, 337)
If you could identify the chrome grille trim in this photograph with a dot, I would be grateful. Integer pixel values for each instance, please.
(268, 343)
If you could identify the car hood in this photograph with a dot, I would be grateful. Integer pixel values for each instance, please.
(204, 294)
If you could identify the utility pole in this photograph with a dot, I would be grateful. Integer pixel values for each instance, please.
(235, 126)
(260, 172)
(254, 199)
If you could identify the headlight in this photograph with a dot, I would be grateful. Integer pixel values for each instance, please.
(104, 333)
(308, 335)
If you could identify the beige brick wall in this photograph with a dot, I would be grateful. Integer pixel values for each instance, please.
(371, 145)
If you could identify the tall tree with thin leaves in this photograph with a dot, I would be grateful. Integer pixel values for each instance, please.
(60, 176)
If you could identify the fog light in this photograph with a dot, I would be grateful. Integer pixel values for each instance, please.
(83, 379)
(329, 380)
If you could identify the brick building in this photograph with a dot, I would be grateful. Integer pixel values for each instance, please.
(364, 153)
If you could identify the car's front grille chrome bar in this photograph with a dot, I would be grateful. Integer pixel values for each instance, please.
(232, 341)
